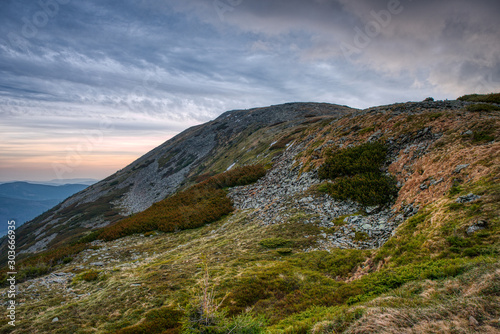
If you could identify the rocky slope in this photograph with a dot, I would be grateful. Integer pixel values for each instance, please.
(165, 169)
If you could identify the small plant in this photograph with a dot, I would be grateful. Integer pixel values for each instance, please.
(90, 276)
(455, 188)
(482, 107)
(273, 243)
(483, 136)
(360, 236)
(367, 130)
(205, 315)
(165, 320)
(284, 251)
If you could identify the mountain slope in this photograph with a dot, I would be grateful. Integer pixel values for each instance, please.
(293, 250)
(233, 138)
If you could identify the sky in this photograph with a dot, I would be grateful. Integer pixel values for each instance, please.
(87, 87)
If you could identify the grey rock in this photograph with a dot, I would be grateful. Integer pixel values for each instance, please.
(56, 319)
(371, 209)
(467, 198)
(480, 225)
(459, 168)
(473, 322)
(97, 264)
(435, 182)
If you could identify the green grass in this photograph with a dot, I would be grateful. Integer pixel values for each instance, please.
(273, 243)
(483, 136)
(165, 320)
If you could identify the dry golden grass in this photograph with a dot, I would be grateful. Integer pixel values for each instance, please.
(461, 305)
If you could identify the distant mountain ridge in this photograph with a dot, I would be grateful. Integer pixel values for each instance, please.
(23, 201)
(59, 182)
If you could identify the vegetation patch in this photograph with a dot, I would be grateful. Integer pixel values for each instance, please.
(273, 243)
(366, 158)
(489, 98)
(482, 107)
(357, 175)
(483, 136)
(165, 320)
(196, 206)
(368, 189)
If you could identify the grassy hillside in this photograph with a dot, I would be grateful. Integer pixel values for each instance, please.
(235, 272)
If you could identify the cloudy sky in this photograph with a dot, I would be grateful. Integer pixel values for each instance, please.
(88, 86)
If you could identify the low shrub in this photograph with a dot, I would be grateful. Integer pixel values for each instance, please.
(368, 189)
(275, 243)
(282, 143)
(357, 175)
(284, 251)
(90, 276)
(165, 320)
(483, 136)
(482, 107)
(489, 98)
(366, 158)
(336, 263)
(196, 206)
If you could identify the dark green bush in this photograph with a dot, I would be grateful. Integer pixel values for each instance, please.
(90, 276)
(366, 158)
(489, 98)
(482, 107)
(368, 189)
(275, 243)
(158, 321)
(338, 262)
(483, 136)
(357, 175)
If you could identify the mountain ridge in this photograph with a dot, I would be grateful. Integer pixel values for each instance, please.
(301, 247)
(164, 169)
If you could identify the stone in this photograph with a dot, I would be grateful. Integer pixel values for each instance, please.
(435, 182)
(473, 321)
(56, 319)
(467, 198)
(371, 209)
(459, 168)
(480, 225)
(97, 264)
